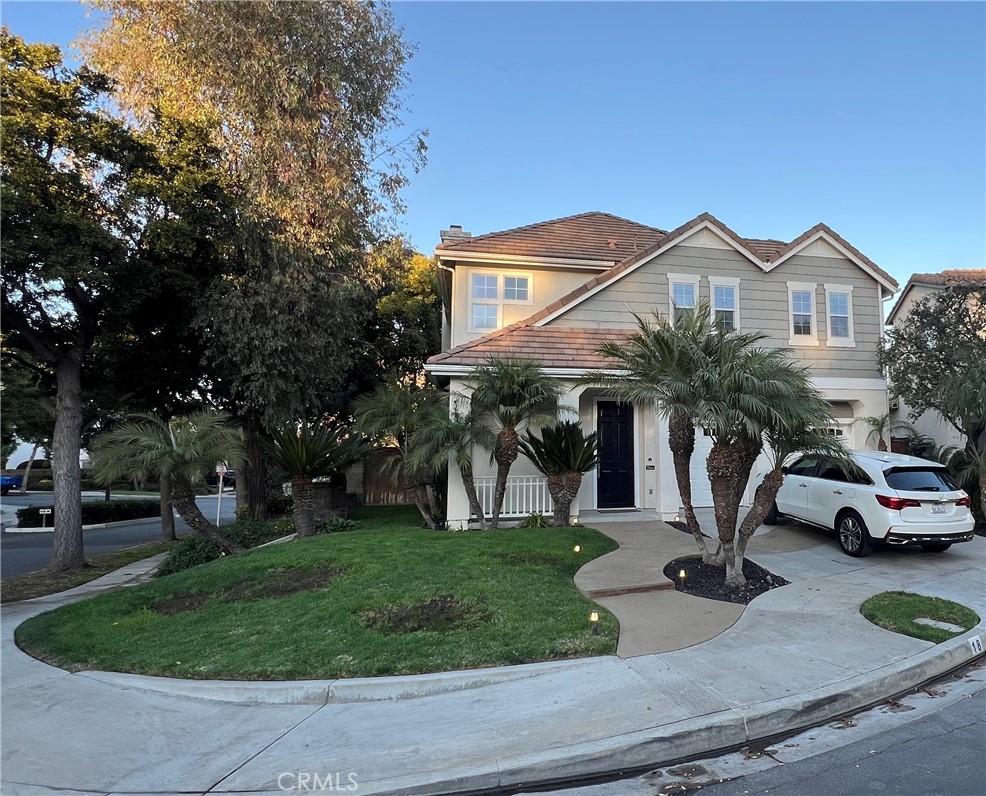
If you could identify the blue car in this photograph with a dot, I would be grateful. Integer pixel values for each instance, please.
(8, 482)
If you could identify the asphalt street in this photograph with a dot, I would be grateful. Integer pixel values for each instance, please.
(28, 552)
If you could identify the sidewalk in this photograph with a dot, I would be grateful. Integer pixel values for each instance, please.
(798, 655)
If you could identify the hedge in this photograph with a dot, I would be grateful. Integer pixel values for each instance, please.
(195, 549)
(96, 512)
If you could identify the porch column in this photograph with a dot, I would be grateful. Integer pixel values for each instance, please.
(457, 513)
(569, 405)
(669, 501)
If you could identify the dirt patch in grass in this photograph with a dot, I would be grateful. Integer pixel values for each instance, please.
(709, 580)
(279, 584)
(180, 604)
(439, 614)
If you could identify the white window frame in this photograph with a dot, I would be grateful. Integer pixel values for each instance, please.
(801, 340)
(839, 342)
(725, 281)
(682, 279)
(499, 302)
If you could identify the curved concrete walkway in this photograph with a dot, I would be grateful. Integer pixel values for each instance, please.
(798, 655)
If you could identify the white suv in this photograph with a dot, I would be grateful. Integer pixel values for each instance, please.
(880, 497)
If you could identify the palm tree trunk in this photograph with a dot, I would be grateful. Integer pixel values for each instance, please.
(167, 511)
(563, 489)
(724, 463)
(681, 440)
(764, 498)
(423, 507)
(303, 500)
(27, 471)
(505, 454)
(474, 505)
(183, 499)
(67, 552)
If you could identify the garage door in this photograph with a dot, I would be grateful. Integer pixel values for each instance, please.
(701, 488)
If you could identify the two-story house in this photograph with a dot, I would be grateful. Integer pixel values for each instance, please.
(552, 292)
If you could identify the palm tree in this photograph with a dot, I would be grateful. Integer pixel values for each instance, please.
(391, 415)
(563, 453)
(453, 436)
(304, 453)
(657, 366)
(178, 451)
(883, 426)
(512, 394)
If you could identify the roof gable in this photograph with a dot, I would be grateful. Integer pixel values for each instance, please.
(752, 249)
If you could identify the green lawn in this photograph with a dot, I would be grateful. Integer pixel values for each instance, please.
(897, 610)
(387, 598)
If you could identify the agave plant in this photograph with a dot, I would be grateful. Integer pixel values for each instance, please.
(305, 453)
(563, 453)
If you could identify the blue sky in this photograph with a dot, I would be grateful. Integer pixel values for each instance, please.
(771, 116)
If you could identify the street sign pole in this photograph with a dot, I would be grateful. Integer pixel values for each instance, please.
(221, 472)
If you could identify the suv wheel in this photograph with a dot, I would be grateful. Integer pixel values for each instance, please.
(773, 516)
(854, 539)
(941, 547)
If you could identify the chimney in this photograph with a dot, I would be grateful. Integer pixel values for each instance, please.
(454, 233)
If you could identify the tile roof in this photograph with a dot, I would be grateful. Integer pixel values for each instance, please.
(549, 346)
(586, 236)
(603, 236)
(954, 277)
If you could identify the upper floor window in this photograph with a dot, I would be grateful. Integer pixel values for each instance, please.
(801, 305)
(838, 301)
(683, 289)
(489, 291)
(725, 303)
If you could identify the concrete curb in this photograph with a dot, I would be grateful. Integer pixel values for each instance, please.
(322, 692)
(703, 736)
(143, 521)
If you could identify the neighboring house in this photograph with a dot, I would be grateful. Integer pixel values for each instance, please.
(930, 424)
(552, 292)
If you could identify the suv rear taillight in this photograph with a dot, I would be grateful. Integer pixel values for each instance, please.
(966, 501)
(897, 503)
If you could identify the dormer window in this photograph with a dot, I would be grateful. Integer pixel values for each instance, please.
(490, 291)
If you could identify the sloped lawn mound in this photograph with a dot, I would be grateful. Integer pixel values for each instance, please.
(388, 598)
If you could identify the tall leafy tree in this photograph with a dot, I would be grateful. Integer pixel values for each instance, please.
(66, 217)
(936, 361)
(511, 394)
(317, 150)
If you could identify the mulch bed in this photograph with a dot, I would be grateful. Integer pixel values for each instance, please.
(709, 580)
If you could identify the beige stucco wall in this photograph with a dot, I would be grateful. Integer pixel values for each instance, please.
(548, 284)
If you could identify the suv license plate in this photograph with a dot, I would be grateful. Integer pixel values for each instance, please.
(938, 509)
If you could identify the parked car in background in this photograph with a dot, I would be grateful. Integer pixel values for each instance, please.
(8, 482)
(879, 497)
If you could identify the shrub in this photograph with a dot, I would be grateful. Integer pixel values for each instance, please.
(535, 520)
(194, 549)
(335, 525)
(96, 512)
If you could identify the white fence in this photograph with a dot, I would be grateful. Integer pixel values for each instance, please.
(525, 494)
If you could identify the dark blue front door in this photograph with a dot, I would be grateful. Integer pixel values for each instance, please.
(614, 487)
